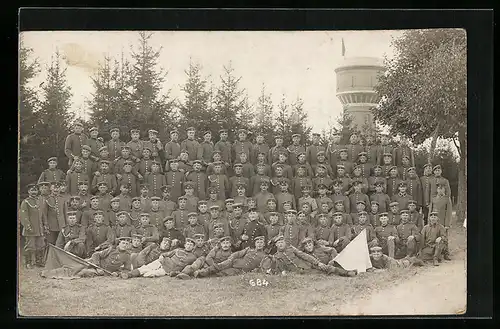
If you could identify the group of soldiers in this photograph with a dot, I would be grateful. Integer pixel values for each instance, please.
(189, 209)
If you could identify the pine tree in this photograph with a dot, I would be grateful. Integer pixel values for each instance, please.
(153, 110)
(54, 115)
(264, 116)
(229, 100)
(110, 103)
(30, 164)
(283, 119)
(299, 121)
(246, 116)
(194, 110)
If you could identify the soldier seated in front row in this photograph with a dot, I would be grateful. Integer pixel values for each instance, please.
(382, 262)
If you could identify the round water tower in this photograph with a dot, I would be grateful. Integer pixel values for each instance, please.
(356, 78)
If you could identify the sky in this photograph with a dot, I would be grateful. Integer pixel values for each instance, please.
(293, 63)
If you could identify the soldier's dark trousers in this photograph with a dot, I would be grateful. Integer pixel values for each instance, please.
(331, 270)
(198, 264)
(425, 211)
(52, 237)
(434, 251)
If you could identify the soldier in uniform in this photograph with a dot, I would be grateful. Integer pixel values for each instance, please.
(169, 231)
(219, 181)
(190, 144)
(94, 143)
(332, 151)
(148, 232)
(113, 259)
(415, 217)
(295, 149)
(284, 196)
(414, 186)
(260, 147)
(76, 176)
(337, 195)
(312, 150)
(291, 229)
(114, 145)
(353, 148)
(123, 228)
(237, 225)
(439, 180)
(441, 204)
(73, 205)
(52, 174)
(344, 163)
(376, 178)
(434, 241)
(301, 161)
(33, 227)
(172, 148)
(341, 232)
(394, 218)
(128, 179)
(425, 181)
(112, 213)
(371, 150)
(387, 235)
(403, 169)
(366, 168)
(402, 151)
(144, 165)
(220, 253)
(382, 262)
(155, 145)
(402, 198)
(74, 142)
(243, 261)
(273, 230)
(181, 214)
(409, 236)
(99, 235)
(125, 200)
(322, 178)
(323, 230)
(71, 238)
(104, 176)
(364, 224)
(224, 147)
(252, 229)
(206, 148)
(357, 195)
(83, 193)
(300, 181)
(392, 182)
(155, 180)
(175, 179)
(276, 150)
(52, 209)
(256, 180)
(135, 145)
(321, 161)
(199, 179)
(237, 179)
(384, 148)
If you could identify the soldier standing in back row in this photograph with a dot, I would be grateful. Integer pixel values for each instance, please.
(206, 149)
(333, 150)
(74, 142)
(224, 147)
(172, 148)
(260, 146)
(94, 143)
(114, 144)
(242, 145)
(312, 150)
(353, 148)
(190, 144)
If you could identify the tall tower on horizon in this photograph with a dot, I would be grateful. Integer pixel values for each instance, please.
(356, 78)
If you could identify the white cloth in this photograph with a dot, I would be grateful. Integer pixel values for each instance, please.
(153, 266)
(355, 255)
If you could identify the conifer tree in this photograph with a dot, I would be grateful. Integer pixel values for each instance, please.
(54, 115)
(264, 121)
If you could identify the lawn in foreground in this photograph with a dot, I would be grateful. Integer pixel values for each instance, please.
(228, 296)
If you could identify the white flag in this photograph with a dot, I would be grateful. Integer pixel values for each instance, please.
(355, 256)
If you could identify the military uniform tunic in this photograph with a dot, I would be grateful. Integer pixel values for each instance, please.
(260, 148)
(114, 148)
(353, 151)
(98, 234)
(281, 198)
(415, 190)
(167, 207)
(400, 152)
(291, 234)
(312, 153)
(191, 146)
(172, 150)
(156, 218)
(205, 151)
(30, 215)
(402, 199)
(75, 233)
(176, 180)
(112, 259)
(122, 231)
(191, 230)
(355, 197)
(52, 175)
(371, 154)
(425, 182)
(73, 145)
(173, 234)
(53, 213)
(297, 184)
(148, 231)
(155, 181)
(234, 181)
(136, 148)
(309, 171)
(95, 145)
(177, 260)
(225, 149)
(293, 260)
(132, 181)
(371, 237)
(442, 204)
(72, 180)
(180, 218)
(382, 149)
(392, 186)
(253, 229)
(332, 154)
(345, 200)
(108, 178)
(221, 183)
(200, 183)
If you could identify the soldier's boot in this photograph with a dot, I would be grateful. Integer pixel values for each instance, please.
(201, 273)
(28, 260)
(446, 255)
(352, 273)
(183, 276)
(435, 261)
(40, 258)
(132, 274)
(173, 273)
(417, 262)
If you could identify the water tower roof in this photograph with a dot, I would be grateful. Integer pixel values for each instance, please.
(360, 61)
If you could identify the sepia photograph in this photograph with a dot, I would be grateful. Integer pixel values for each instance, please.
(242, 173)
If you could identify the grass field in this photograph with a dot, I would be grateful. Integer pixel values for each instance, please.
(289, 295)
